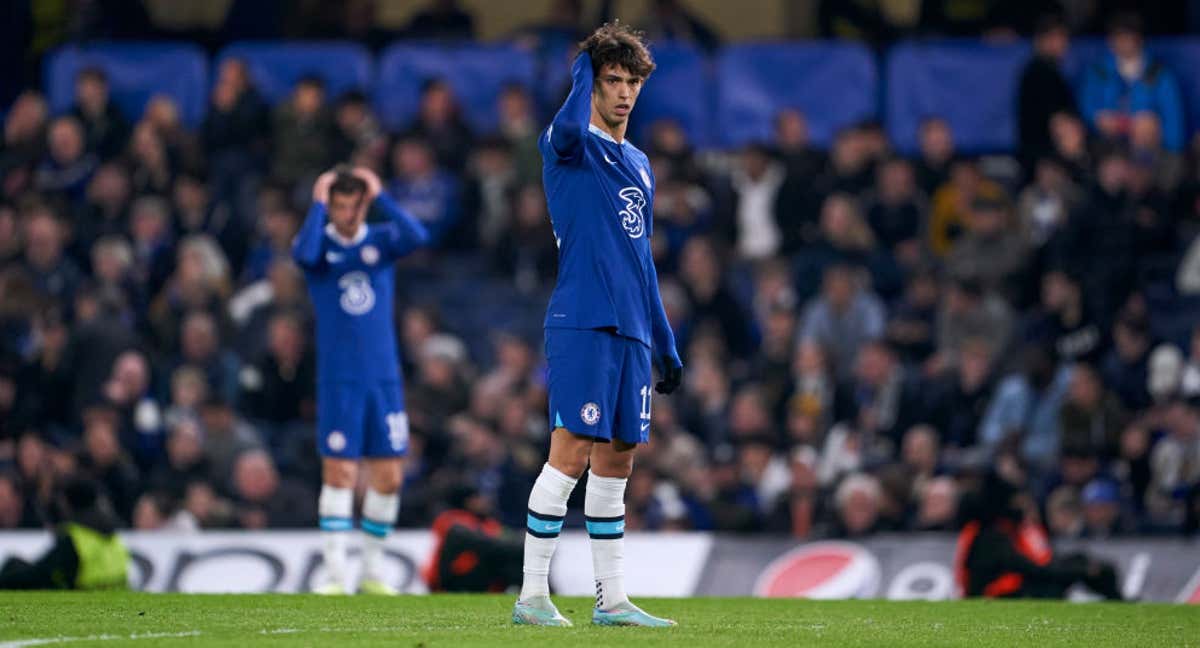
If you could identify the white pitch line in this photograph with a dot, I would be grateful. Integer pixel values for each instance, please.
(42, 641)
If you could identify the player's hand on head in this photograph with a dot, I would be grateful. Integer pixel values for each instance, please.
(321, 186)
(672, 376)
(374, 184)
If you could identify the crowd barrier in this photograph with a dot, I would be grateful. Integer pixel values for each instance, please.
(663, 564)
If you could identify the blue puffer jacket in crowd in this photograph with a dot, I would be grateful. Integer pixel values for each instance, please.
(1156, 91)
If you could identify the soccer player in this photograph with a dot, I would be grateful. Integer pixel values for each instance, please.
(604, 323)
(360, 404)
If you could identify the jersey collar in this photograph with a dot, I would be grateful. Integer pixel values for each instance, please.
(602, 134)
(358, 237)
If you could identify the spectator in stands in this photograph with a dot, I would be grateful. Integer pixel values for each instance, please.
(1091, 416)
(441, 20)
(103, 460)
(1071, 146)
(1175, 464)
(1189, 382)
(1128, 81)
(954, 200)
(24, 142)
(526, 252)
(881, 398)
(937, 505)
(1125, 369)
(937, 152)
(357, 137)
(967, 311)
(183, 148)
(1028, 400)
(226, 435)
(265, 499)
(910, 331)
(105, 210)
(990, 250)
(1163, 169)
(185, 462)
(105, 127)
(802, 161)
(846, 238)
(843, 318)
(958, 398)
(713, 302)
(896, 211)
(235, 134)
(669, 21)
(756, 180)
(519, 127)
(200, 346)
(1045, 205)
(151, 169)
(68, 165)
(279, 387)
(55, 274)
(441, 124)
(429, 192)
(1102, 236)
(1043, 90)
(201, 281)
(128, 392)
(153, 243)
(858, 500)
(302, 134)
(1063, 322)
(1102, 515)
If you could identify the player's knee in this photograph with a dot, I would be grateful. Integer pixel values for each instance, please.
(570, 465)
(616, 467)
(339, 473)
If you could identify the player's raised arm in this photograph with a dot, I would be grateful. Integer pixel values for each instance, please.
(404, 232)
(570, 124)
(306, 247)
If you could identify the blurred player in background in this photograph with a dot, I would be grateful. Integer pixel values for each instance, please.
(360, 404)
(604, 323)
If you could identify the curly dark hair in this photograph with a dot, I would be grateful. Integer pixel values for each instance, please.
(621, 45)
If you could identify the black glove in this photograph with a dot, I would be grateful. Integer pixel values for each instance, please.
(672, 376)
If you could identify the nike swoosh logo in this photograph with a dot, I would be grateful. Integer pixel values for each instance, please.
(608, 160)
(645, 426)
(333, 257)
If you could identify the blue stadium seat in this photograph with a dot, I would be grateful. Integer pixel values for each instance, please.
(136, 72)
(972, 85)
(275, 67)
(680, 89)
(476, 72)
(834, 84)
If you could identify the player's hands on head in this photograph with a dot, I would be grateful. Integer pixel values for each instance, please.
(672, 376)
(374, 185)
(321, 187)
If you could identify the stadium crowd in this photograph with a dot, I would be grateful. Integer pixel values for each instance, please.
(864, 334)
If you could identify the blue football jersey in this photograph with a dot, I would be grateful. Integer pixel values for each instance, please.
(600, 193)
(352, 286)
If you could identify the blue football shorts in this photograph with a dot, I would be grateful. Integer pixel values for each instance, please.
(599, 384)
(357, 419)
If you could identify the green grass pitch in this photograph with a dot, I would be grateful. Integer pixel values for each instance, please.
(112, 619)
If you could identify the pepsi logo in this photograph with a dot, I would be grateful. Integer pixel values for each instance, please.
(821, 570)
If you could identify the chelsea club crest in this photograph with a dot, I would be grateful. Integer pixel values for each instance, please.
(590, 414)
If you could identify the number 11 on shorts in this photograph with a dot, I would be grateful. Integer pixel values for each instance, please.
(646, 398)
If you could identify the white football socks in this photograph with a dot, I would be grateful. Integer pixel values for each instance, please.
(335, 506)
(378, 517)
(547, 508)
(604, 508)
